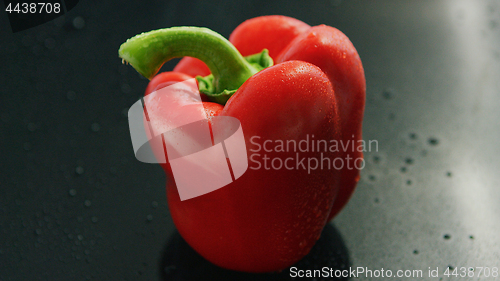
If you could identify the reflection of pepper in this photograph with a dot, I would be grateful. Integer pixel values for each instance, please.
(268, 218)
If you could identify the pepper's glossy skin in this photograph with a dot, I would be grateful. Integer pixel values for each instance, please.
(328, 48)
(268, 219)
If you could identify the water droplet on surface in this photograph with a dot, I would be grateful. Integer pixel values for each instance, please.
(413, 136)
(94, 219)
(388, 94)
(302, 244)
(376, 159)
(409, 160)
(126, 89)
(87, 203)
(433, 141)
(149, 218)
(78, 22)
(72, 192)
(31, 127)
(403, 169)
(372, 177)
(49, 43)
(471, 237)
(154, 204)
(447, 236)
(79, 170)
(415, 252)
(409, 182)
(71, 95)
(493, 24)
(448, 174)
(95, 127)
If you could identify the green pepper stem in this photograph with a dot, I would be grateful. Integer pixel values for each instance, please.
(147, 52)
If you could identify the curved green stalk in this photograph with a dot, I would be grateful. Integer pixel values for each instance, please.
(147, 52)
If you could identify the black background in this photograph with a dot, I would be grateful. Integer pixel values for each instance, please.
(76, 205)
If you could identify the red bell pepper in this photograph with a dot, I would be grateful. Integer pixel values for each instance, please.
(267, 219)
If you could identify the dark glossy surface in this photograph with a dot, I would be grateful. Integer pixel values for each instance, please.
(76, 205)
